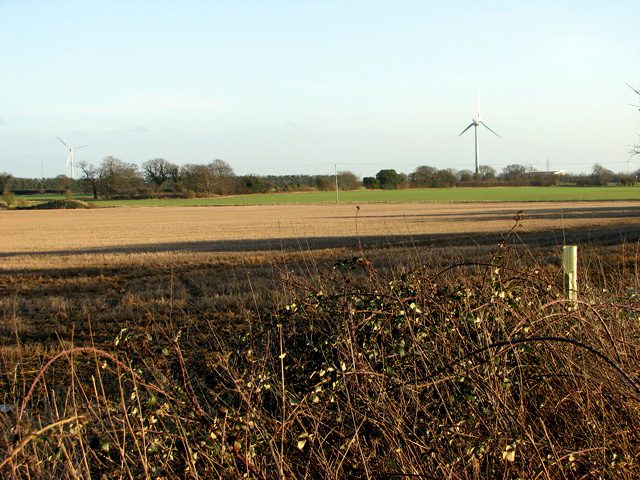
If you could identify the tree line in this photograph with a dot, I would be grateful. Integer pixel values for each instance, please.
(114, 178)
(426, 176)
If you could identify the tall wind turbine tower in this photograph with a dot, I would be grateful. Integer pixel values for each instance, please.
(71, 166)
(475, 123)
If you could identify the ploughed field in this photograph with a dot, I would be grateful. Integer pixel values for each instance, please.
(62, 270)
(27, 236)
(337, 341)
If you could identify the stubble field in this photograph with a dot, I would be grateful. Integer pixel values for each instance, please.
(284, 340)
(30, 235)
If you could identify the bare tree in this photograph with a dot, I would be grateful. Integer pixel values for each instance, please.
(90, 175)
(118, 177)
(348, 180)
(221, 169)
(635, 149)
(600, 175)
(158, 171)
(224, 177)
(487, 172)
(5, 181)
(197, 178)
(514, 173)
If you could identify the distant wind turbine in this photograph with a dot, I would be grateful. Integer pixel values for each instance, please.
(71, 166)
(475, 123)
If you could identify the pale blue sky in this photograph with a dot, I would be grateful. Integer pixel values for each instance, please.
(296, 86)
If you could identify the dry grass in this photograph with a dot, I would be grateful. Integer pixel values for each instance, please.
(406, 355)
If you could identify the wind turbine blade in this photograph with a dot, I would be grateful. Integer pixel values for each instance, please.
(634, 89)
(81, 146)
(487, 127)
(470, 125)
(63, 143)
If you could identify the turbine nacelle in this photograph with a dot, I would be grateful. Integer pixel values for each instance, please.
(70, 164)
(475, 123)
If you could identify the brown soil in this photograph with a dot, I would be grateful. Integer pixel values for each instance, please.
(149, 229)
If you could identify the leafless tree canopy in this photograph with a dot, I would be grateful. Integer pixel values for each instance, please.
(157, 171)
(635, 149)
(118, 177)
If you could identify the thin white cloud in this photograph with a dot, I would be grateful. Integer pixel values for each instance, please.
(148, 104)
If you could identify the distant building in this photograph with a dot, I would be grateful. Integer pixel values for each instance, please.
(548, 172)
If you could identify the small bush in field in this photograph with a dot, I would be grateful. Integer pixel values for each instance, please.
(64, 204)
(8, 199)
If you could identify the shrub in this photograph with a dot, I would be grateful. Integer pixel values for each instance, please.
(9, 199)
(60, 204)
(170, 195)
(473, 371)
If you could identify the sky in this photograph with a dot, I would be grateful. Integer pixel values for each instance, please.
(284, 87)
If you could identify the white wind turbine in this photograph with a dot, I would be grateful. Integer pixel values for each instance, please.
(475, 123)
(71, 166)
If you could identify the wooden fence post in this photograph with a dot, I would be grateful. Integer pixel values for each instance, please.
(570, 268)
